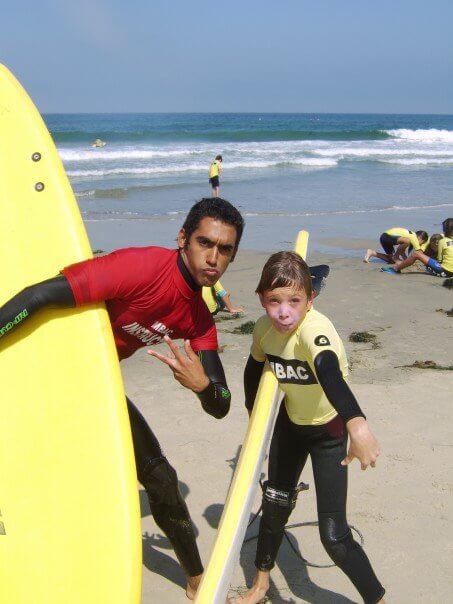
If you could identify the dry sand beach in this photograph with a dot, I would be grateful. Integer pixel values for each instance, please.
(403, 508)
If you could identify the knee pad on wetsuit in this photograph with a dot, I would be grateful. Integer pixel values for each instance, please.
(336, 537)
(277, 506)
(161, 482)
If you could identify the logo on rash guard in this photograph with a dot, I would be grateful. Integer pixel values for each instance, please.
(322, 341)
(291, 371)
(145, 335)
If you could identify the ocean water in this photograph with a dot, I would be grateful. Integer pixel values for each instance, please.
(342, 176)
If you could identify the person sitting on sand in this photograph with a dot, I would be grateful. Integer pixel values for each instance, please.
(431, 246)
(318, 413)
(443, 265)
(217, 298)
(214, 174)
(397, 236)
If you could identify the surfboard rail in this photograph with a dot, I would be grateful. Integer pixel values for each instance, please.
(225, 553)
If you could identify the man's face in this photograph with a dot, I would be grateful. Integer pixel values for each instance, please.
(209, 251)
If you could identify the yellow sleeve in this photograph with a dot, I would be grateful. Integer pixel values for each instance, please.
(259, 330)
(319, 334)
(415, 243)
(209, 298)
(219, 289)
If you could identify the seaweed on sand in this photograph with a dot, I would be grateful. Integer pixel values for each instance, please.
(427, 365)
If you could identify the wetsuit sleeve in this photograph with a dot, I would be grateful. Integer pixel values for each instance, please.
(335, 387)
(52, 292)
(252, 375)
(216, 398)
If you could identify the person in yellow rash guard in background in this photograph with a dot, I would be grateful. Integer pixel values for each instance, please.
(217, 298)
(397, 236)
(443, 266)
(214, 174)
(318, 413)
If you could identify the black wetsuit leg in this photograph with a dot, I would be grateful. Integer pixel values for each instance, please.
(161, 484)
(291, 444)
(287, 457)
(331, 482)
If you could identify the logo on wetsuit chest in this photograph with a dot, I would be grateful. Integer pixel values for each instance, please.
(145, 335)
(291, 371)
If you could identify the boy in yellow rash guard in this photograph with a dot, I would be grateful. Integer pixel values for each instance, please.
(397, 236)
(308, 359)
(443, 266)
(292, 361)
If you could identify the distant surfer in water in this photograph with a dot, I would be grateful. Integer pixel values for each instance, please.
(153, 294)
(99, 143)
(214, 175)
(316, 417)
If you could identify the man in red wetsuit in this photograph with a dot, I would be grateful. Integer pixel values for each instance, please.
(154, 294)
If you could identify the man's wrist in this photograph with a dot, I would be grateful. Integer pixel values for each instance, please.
(204, 386)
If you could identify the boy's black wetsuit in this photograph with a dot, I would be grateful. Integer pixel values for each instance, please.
(153, 469)
(307, 367)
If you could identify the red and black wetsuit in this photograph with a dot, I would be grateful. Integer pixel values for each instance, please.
(149, 293)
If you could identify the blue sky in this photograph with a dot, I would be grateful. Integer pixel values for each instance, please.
(386, 56)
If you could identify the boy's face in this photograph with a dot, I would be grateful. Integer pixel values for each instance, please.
(210, 250)
(286, 307)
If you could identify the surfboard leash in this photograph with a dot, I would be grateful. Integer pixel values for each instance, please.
(302, 486)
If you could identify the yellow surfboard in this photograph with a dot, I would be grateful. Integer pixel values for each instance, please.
(233, 523)
(70, 521)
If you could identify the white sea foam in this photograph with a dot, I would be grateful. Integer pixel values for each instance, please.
(429, 136)
(418, 161)
(364, 152)
(123, 154)
(310, 162)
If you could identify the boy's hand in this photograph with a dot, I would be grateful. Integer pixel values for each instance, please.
(187, 368)
(363, 444)
(236, 310)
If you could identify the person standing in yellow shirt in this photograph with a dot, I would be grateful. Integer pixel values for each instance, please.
(317, 415)
(214, 173)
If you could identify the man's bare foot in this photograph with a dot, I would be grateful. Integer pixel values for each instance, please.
(368, 255)
(192, 586)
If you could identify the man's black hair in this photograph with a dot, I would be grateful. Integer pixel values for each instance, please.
(214, 207)
(219, 157)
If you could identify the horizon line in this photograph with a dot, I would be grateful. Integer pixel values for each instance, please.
(239, 113)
